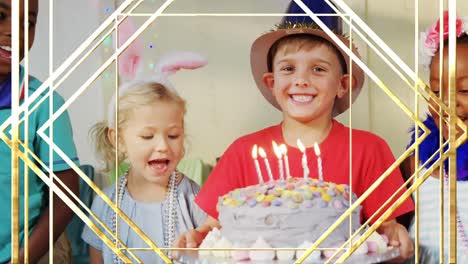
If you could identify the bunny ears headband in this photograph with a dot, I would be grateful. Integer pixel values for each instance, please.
(130, 67)
(430, 40)
(168, 64)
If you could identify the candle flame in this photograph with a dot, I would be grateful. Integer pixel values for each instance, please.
(283, 149)
(261, 152)
(316, 149)
(254, 152)
(277, 150)
(300, 146)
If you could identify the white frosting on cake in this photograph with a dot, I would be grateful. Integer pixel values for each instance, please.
(261, 255)
(314, 256)
(285, 254)
(286, 213)
(211, 238)
(292, 213)
(222, 243)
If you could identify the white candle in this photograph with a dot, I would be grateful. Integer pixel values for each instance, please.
(267, 164)
(305, 166)
(319, 161)
(284, 151)
(257, 166)
(280, 161)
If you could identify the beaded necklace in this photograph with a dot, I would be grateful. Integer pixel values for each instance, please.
(170, 213)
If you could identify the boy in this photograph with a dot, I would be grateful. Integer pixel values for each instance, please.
(38, 202)
(303, 73)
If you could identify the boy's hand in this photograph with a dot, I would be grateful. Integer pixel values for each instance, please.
(399, 237)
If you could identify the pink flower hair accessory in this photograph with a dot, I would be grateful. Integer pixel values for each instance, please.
(430, 40)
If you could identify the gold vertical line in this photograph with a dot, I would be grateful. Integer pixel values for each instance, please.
(25, 131)
(452, 50)
(351, 127)
(74, 55)
(15, 60)
(116, 143)
(441, 135)
(416, 128)
(51, 129)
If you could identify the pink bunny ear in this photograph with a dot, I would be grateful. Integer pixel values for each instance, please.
(172, 62)
(129, 60)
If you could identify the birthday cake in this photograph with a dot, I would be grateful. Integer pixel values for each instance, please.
(291, 213)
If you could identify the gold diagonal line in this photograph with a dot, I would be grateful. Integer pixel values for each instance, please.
(45, 167)
(391, 198)
(67, 74)
(395, 205)
(393, 56)
(96, 45)
(368, 221)
(385, 204)
(34, 167)
(71, 204)
(357, 60)
(106, 64)
(405, 196)
(378, 40)
(439, 161)
(106, 199)
(354, 205)
(69, 60)
(370, 44)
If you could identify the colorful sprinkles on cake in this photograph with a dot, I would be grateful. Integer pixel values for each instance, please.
(291, 193)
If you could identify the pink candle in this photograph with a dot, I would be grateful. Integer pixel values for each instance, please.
(257, 166)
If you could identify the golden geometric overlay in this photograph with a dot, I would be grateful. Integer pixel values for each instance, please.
(356, 27)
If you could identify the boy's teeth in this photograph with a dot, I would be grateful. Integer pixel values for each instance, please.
(302, 98)
(6, 48)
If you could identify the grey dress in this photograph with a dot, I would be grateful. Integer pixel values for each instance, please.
(148, 217)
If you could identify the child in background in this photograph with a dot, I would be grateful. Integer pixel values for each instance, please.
(149, 134)
(429, 200)
(38, 207)
(305, 74)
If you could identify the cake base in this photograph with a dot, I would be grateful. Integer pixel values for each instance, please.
(191, 257)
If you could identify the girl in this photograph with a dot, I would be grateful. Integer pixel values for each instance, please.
(429, 219)
(149, 135)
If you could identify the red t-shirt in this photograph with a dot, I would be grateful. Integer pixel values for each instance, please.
(371, 157)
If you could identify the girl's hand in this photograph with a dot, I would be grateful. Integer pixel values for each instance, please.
(190, 239)
(399, 237)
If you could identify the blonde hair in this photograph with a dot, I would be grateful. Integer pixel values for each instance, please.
(134, 97)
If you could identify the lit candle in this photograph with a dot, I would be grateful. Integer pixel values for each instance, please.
(305, 166)
(319, 161)
(267, 164)
(284, 151)
(257, 166)
(280, 161)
